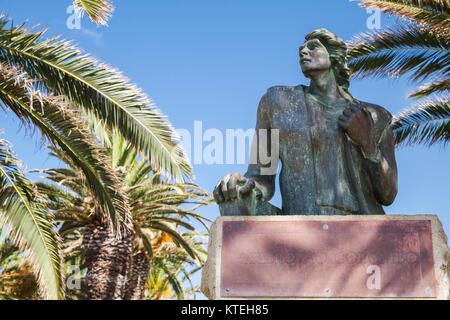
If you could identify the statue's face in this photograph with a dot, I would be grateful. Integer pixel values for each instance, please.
(314, 57)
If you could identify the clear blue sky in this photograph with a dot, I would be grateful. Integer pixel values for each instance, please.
(212, 60)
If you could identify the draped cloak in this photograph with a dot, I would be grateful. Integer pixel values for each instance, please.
(323, 172)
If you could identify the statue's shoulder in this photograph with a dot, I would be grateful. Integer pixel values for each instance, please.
(378, 113)
(281, 90)
(281, 94)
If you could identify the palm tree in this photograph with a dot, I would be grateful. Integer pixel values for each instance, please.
(29, 225)
(171, 270)
(16, 278)
(50, 85)
(420, 49)
(158, 209)
(98, 11)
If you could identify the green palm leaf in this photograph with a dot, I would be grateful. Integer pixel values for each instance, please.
(98, 11)
(29, 225)
(157, 206)
(439, 86)
(157, 225)
(433, 13)
(63, 129)
(99, 91)
(427, 123)
(419, 49)
(147, 245)
(393, 52)
(163, 268)
(7, 251)
(54, 193)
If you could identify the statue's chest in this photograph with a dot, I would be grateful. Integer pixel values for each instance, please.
(323, 121)
(304, 125)
(296, 115)
(289, 113)
(290, 117)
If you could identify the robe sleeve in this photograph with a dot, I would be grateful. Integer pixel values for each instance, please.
(381, 165)
(260, 170)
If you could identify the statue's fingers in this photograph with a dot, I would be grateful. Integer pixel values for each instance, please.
(347, 112)
(249, 186)
(343, 123)
(343, 118)
(225, 187)
(231, 186)
(241, 181)
(355, 109)
(237, 176)
(258, 193)
(218, 196)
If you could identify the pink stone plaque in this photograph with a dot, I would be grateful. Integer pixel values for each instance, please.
(370, 258)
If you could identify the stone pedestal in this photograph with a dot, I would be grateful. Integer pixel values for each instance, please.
(327, 257)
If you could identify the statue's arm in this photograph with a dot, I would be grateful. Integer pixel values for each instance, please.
(382, 168)
(258, 171)
(369, 128)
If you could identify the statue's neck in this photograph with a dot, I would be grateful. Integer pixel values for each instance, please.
(323, 85)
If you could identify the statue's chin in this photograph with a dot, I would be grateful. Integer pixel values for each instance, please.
(309, 70)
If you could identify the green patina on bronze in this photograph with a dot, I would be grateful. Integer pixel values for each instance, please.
(337, 152)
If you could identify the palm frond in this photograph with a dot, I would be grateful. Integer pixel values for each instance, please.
(427, 123)
(56, 194)
(71, 178)
(433, 13)
(138, 174)
(125, 158)
(63, 129)
(175, 221)
(164, 274)
(171, 271)
(179, 240)
(98, 11)
(439, 86)
(161, 211)
(8, 254)
(99, 90)
(394, 52)
(147, 245)
(31, 228)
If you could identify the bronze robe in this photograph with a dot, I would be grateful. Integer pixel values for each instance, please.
(323, 172)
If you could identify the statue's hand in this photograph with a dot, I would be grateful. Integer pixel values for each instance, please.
(359, 127)
(228, 188)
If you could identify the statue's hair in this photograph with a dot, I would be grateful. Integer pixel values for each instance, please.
(337, 49)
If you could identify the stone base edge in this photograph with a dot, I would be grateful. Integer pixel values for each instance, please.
(210, 285)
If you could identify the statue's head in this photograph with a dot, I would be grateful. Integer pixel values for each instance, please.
(324, 50)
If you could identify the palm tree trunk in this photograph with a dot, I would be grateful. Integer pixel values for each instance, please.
(135, 286)
(106, 259)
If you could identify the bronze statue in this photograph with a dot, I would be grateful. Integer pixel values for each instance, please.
(337, 153)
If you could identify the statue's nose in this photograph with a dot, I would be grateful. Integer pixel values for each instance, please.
(303, 54)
